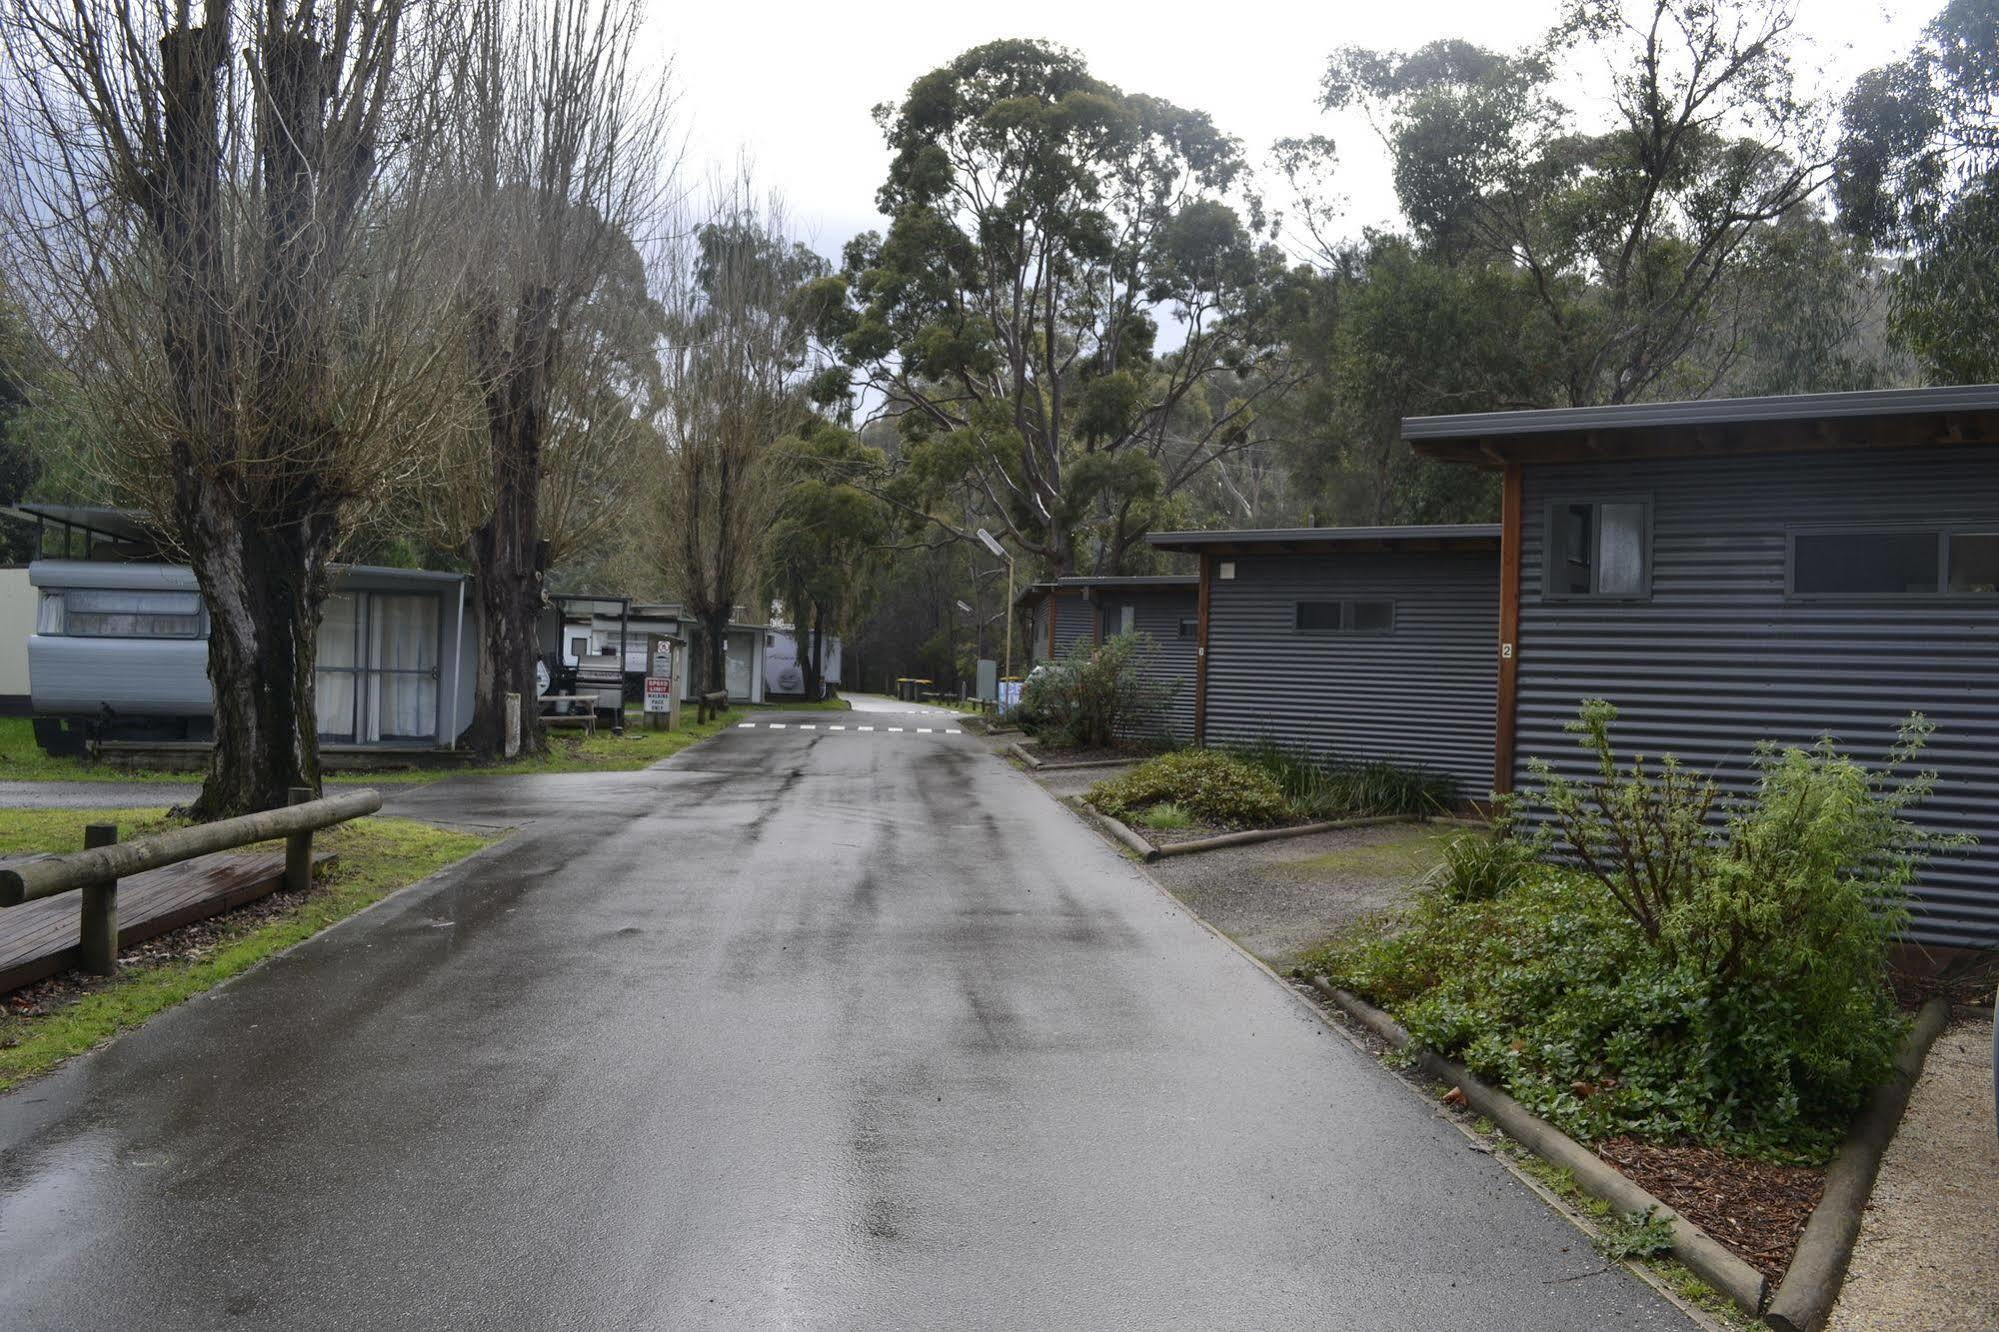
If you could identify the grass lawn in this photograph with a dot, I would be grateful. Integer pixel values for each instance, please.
(568, 751)
(21, 759)
(68, 1015)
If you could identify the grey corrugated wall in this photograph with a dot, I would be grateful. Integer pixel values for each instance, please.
(1075, 619)
(1719, 658)
(1421, 696)
(1157, 612)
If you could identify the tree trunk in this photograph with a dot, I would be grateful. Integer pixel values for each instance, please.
(263, 622)
(506, 548)
(808, 653)
(715, 628)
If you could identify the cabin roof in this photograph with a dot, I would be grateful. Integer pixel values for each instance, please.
(1795, 422)
(1332, 540)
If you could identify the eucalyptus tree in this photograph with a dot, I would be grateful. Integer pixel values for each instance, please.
(212, 215)
(1629, 227)
(1919, 172)
(1066, 311)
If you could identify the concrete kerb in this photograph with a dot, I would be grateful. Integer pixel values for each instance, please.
(1698, 1250)
(1146, 850)
(1255, 835)
(1818, 1265)
(1037, 764)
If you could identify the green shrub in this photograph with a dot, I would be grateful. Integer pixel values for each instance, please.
(1209, 785)
(1323, 787)
(1727, 987)
(1097, 696)
(1166, 815)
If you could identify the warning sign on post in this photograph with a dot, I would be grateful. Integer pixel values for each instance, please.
(659, 694)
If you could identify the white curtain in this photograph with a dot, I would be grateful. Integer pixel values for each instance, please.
(402, 662)
(338, 660)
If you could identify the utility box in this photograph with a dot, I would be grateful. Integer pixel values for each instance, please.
(988, 680)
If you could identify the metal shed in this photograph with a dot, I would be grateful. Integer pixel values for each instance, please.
(1058, 618)
(1728, 572)
(1358, 642)
(1160, 606)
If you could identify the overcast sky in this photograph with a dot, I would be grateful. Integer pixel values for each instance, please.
(792, 84)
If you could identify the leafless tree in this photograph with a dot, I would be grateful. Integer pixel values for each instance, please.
(210, 209)
(736, 337)
(562, 167)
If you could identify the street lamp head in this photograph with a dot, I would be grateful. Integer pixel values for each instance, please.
(963, 607)
(992, 544)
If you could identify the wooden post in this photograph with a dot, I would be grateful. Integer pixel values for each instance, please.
(298, 848)
(99, 921)
(1509, 630)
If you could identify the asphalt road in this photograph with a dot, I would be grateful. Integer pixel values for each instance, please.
(804, 1028)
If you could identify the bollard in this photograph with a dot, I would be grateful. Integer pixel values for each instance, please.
(298, 848)
(99, 921)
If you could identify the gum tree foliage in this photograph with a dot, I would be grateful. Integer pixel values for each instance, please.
(824, 546)
(1065, 313)
(1628, 230)
(206, 205)
(1919, 172)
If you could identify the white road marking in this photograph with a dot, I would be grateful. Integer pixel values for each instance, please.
(808, 726)
(836, 728)
(896, 729)
(867, 728)
(775, 726)
(746, 726)
(923, 730)
(954, 732)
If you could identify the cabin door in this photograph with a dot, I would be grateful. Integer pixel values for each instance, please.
(378, 659)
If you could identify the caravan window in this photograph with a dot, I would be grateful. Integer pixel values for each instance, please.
(106, 613)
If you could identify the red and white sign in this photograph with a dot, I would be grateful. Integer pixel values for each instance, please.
(659, 694)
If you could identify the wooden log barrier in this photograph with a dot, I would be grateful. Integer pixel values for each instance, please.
(50, 875)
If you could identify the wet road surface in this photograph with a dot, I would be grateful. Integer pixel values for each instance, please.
(803, 1028)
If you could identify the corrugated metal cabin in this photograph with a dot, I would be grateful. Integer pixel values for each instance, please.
(1733, 571)
(1370, 643)
(1160, 606)
(1057, 618)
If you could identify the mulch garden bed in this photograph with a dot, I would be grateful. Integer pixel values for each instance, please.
(1755, 1208)
(189, 943)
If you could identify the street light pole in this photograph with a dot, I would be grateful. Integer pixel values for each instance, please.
(996, 548)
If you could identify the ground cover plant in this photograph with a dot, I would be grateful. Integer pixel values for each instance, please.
(1664, 974)
(1333, 787)
(1203, 784)
(50, 1021)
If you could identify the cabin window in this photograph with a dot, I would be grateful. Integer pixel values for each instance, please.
(107, 613)
(1919, 562)
(1189, 628)
(1599, 548)
(1974, 562)
(1127, 619)
(1344, 617)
